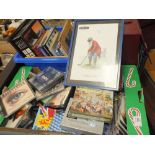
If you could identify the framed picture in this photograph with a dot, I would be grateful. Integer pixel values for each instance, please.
(95, 54)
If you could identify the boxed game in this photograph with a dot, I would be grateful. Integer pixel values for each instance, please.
(137, 123)
(80, 126)
(92, 104)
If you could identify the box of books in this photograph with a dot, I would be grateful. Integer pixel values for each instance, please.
(137, 123)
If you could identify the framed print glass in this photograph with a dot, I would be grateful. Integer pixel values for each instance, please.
(95, 54)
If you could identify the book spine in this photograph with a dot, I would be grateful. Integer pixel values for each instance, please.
(58, 53)
(37, 51)
(50, 51)
(47, 49)
(63, 51)
(43, 49)
(23, 48)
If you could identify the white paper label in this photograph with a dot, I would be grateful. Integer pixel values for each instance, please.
(137, 121)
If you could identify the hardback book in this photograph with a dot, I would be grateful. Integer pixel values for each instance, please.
(47, 79)
(15, 98)
(50, 44)
(80, 126)
(92, 103)
(41, 44)
(65, 38)
(35, 47)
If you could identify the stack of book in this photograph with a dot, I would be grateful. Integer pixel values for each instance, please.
(32, 39)
(88, 111)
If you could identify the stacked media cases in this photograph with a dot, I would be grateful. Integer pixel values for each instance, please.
(47, 79)
(32, 39)
(49, 112)
(74, 109)
(19, 102)
(88, 111)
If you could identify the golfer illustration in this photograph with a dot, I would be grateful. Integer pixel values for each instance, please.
(94, 51)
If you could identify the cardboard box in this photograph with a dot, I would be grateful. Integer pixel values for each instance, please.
(22, 74)
(137, 123)
(6, 47)
(131, 43)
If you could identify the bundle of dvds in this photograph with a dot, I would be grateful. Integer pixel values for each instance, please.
(46, 80)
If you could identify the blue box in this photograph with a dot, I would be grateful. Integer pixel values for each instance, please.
(58, 63)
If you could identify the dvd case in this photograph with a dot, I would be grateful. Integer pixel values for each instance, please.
(15, 98)
(47, 79)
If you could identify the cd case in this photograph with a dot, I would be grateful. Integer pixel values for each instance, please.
(47, 79)
(56, 89)
(44, 118)
(15, 98)
(58, 100)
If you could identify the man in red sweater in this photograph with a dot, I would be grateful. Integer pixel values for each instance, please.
(94, 51)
